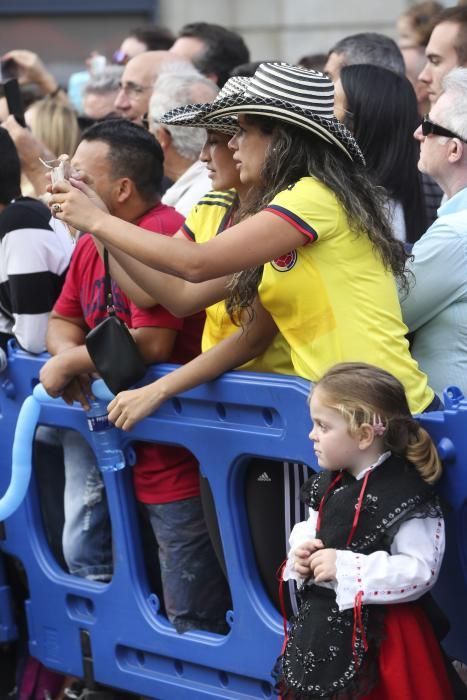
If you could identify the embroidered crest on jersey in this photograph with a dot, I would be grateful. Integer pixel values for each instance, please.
(285, 262)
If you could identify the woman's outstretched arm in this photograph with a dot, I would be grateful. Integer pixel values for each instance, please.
(259, 239)
(146, 286)
(129, 407)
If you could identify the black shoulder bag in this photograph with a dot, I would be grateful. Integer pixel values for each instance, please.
(112, 347)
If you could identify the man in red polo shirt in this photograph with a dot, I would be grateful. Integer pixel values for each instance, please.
(123, 164)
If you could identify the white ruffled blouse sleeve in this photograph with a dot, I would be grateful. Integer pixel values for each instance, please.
(301, 532)
(406, 573)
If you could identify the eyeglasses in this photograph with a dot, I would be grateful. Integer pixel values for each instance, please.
(429, 127)
(133, 89)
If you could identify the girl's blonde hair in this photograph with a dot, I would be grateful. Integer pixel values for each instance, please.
(55, 124)
(362, 393)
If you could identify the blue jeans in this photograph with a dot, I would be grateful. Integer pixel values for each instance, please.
(196, 593)
(87, 534)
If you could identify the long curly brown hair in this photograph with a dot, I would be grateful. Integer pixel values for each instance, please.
(294, 153)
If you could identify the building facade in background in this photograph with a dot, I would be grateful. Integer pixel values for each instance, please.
(64, 32)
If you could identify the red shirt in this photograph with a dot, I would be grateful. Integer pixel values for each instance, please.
(163, 473)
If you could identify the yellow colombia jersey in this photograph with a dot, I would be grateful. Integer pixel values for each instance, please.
(332, 299)
(208, 218)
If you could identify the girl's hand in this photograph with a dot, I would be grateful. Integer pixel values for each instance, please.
(77, 204)
(302, 556)
(129, 407)
(302, 567)
(323, 565)
(306, 549)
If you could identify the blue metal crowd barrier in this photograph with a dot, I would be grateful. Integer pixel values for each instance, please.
(449, 432)
(114, 632)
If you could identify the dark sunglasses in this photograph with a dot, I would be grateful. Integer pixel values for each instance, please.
(429, 127)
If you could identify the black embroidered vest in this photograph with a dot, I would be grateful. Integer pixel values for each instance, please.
(324, 657)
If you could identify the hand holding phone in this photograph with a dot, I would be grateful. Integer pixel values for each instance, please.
(9, 69)
(14, 100)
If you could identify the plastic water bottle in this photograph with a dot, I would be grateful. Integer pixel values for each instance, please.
(104, 437)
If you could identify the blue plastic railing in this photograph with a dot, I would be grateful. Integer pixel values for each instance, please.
(132, 646)
(21, 459)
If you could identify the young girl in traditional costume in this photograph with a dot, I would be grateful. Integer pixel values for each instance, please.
(370, 550)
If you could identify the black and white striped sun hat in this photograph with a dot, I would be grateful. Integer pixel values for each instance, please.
(292, 94)
(200, 114)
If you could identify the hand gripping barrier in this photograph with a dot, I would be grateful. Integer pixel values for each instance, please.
(113, 632)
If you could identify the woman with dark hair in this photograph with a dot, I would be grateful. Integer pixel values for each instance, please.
(312, 254)
(380, 108)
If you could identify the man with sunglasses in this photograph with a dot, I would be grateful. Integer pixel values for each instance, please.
(435, 310)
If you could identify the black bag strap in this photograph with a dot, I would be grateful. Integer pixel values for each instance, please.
(109, 300)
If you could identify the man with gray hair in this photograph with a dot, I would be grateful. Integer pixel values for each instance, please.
(436, 308)
(181, 145)
(100, 92)
(367, 47)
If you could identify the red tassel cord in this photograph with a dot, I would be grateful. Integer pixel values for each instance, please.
(358, 627)
(279, 576)
(357, 609)
(358, 508)
(323, 500)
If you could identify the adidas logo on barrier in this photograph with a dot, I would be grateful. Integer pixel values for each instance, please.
(264, 477)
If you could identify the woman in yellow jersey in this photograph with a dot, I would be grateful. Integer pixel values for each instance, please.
(329, 288)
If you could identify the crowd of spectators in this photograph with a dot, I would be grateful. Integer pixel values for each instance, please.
(401, 108)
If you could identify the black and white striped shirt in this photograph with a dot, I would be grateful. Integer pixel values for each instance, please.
(35, 251)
